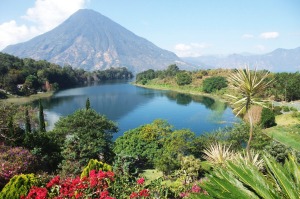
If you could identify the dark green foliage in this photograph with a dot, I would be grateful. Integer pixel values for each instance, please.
(3, 95)
(183, 78)
(84, 135)
(286, 86)
(27, 122)
(172, 70)
(278, 151)
(34, 75)
(87, 104)
(213, 84)
(95, 165)
(112, 73)
(42, 126)
(45, 148)
(146, 75)
(267, 118)
(18, 186)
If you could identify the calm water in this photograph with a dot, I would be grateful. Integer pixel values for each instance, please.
(130, 106)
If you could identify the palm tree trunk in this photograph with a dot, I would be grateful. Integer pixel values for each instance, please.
(250, 136)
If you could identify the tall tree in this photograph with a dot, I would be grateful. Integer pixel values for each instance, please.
(27, 122)
(84, 135)
(42, 126)
(87, 104)
(249, 84)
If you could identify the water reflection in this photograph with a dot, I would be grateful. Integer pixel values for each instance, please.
(132, 106)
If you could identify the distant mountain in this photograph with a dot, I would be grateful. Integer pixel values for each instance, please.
(92, 41)
(279, 60)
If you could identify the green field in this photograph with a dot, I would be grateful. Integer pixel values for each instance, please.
(287, 131)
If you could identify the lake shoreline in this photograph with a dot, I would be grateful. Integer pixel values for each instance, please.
(20, 100)
(215, 97)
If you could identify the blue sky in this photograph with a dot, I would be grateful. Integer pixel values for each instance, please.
(186, 27)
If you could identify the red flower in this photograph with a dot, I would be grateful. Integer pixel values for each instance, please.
(140, 181)
(144, 193)
(134, 195)
(54, 181)
(104, 194)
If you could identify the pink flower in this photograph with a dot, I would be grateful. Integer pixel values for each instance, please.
(196, 189)
(134, 195)
(140, 181)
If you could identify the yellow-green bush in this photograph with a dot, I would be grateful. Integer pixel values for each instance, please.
(18, 186)
(95, 165)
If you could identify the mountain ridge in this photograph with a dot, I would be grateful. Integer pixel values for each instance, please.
(89, 40)
(278, 60)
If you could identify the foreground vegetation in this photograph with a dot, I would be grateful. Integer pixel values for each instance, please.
(79, 158)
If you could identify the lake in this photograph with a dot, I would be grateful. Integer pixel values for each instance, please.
(131, 106)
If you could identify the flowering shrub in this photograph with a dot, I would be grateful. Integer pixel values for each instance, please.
(140, 191)
(13, 161)
(94, 186)
(195, 189)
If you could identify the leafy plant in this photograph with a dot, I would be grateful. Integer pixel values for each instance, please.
(218, 153)
(18, 185)
(249, 84)
(212, 84)
(241, 180)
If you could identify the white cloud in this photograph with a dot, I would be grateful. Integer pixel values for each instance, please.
(44, 16)
(190, 50)
(247, 36)
(269, 35)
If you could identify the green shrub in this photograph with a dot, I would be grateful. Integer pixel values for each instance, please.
(95, 165)
(285, 109)
(277, 110)
(267, 118)
(278, 151)
(214, 83)
(183, 78)
(18, 186)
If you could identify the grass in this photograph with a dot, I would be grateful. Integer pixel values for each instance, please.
(151, 174)
(26, 100)
(287, 131)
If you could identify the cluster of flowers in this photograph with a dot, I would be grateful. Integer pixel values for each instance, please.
(142, 193)
(94, 186)
(14, 160)
(195, 189)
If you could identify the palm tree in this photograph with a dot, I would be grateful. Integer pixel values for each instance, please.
(249, 84)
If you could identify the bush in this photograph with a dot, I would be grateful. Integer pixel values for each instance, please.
(285, 109)
(267, 118)
(278, 151)
(277, 110)
(214, 83)
(18, 186)
(14, 160)
(183, 78)
(95, 165)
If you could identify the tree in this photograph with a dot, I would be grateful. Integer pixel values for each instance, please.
(87, 104)
(84, 135)
(183, 78)
(27, 122)
(249, 85)
(214, 83)
(267, 118)
(42, 127)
